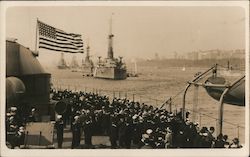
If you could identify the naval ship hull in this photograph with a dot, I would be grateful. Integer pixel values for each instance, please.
(110, 73)
(87, 71)
(62, 67)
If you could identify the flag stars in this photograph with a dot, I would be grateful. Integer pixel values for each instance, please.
(47, 31)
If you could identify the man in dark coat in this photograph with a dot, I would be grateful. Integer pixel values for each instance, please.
(122, 133)
(76, 132)
(87, 128)
(113, 135)
(59, 125)
(146, 142)
(128, 132)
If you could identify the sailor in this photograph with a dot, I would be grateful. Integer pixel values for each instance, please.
(225, 138)
(211, 136)
(168, 138)
(33, 115)
(128, 132)
(149, 132)
(105, 120)
(76, 132)
(87, 128)
(146, 142)
(59, 128)
(17, 119)
(113, 136)
(205, 141)
(12, 129)
(235, 143)
(180, 138)
(122, 132)
(219, 143)
(20, 137)
(137, 129)
(160, 143)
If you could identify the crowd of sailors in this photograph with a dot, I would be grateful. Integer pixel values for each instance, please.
(128, 124)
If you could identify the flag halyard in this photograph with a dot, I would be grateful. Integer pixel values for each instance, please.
(57, 40)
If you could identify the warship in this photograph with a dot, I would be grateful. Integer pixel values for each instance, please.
(133, 72)
(110, 67)
(62, 63)
(74, 64)
(87, 64)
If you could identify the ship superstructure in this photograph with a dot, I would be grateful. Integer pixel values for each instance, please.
(87, 64)
(62, 63)
(110, 67)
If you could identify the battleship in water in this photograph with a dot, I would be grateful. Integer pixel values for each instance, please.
(110, 67)
(133, 73)
(87, 65)
(62, 63)
(74, 64)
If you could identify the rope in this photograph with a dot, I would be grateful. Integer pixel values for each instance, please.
(172, 98)
(216, 118)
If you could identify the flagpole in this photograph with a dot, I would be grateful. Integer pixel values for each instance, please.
(36, 49)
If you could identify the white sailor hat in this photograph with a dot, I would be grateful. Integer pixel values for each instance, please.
(168, 129)
(205, 134)
(149, 131)
(59, 116)
(8, 114)
(196, 123)
(76, 117)
(33, 109)
(11, 118)
(21, 129)
(13, 109)
(188, 121)
(145, 136)
(171, 114)
(162, 117)
(135, 116)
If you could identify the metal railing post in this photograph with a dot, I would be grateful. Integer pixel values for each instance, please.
(238, 131)
(200, 119)
(220, 115)
(189, 84)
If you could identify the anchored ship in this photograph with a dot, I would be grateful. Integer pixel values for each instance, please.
(110, 67)
(62, 63)
(87, 64)
(74, 63)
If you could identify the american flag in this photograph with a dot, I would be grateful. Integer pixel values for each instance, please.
(57, 40)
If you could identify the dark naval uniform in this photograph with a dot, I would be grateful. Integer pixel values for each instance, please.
(113, 135)
(87, 128)
(59, 125)
(76, 132)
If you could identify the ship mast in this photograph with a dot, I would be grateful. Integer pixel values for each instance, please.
(62, 61)
(110, 38)
(87, 54)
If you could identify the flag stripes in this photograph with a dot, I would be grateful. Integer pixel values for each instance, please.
(57, 40)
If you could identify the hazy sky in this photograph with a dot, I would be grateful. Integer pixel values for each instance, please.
(139, 31)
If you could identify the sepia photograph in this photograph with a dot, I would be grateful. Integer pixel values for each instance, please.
(134, 78)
